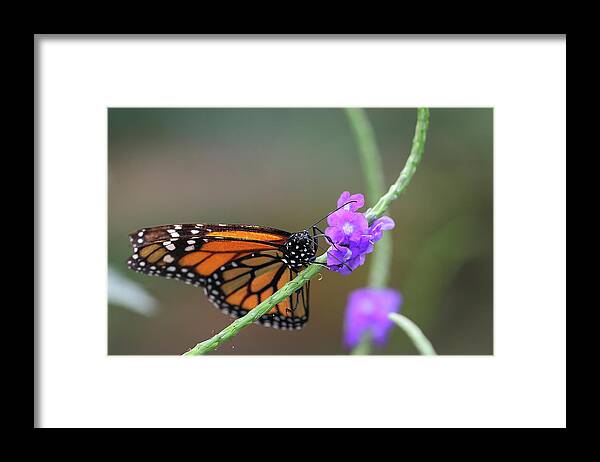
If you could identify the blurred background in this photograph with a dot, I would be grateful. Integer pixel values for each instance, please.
(286, 168)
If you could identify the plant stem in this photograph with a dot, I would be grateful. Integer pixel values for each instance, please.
(263, 308)
(414, 333)
(372, 166)
(304, 276)
(370, 158)
(364, 346)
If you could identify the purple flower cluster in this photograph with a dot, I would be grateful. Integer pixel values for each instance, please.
(352, 235)
(367, 312)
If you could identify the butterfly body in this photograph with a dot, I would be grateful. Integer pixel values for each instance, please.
(238, 266)
(299, 250)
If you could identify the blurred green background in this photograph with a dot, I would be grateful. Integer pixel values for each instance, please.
(286, 168)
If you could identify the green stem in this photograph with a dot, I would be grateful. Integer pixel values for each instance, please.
(381, 260)
(372, 166)
(263, 308)
(304, 276)
(370, 158)
(414, 333)
(364, 346)
(381, 263)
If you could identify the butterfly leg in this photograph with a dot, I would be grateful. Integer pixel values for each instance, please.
(293, 306)
(338, 265)
(305, 299)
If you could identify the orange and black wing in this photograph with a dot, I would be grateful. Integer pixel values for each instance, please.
(241, 284)
(238, 266)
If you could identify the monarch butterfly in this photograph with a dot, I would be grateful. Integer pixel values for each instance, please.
(238, 266)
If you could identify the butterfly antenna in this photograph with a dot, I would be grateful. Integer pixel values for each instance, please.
(341, 207)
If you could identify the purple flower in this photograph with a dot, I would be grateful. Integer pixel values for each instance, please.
(367, 312)
(347, 197)
(379, 226)
(351, 234)
(344, 259)
(345, 226)
(337, 257)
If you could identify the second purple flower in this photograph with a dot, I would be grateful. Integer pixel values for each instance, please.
(349, 230)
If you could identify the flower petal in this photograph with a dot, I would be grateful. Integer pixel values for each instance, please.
(379, 226)
(351, 226)
(346, 197)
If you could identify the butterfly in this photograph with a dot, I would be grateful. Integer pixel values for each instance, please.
(238, 266)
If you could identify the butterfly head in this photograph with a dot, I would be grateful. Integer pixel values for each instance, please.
(299, 250)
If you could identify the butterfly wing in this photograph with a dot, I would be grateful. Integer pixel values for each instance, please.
(238, 266)
(241, 284)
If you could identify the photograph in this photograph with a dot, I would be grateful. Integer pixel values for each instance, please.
(371, 227)
(391, 208)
